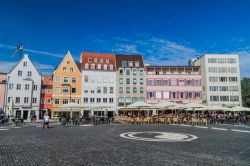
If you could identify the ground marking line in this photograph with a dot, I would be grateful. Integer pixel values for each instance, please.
(202, 127)
(243, 131)
(186, 125)
(215, 128)
(4, 129)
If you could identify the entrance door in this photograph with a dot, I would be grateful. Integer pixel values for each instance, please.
(18, 114)
(25, 114)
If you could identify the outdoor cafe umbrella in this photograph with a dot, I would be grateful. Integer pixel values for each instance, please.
(164, 104)
(72, 107)
(194, 105)
(239, 109)
(138, 105)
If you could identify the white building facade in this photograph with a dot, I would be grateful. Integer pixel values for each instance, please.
(23, 90)
(220, 79)
(98, 84)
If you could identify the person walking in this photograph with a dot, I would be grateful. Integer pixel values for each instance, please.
(46, 121)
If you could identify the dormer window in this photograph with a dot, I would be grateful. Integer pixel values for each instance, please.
(64, 69)
(89, 59)
(124, 64)
(95, 60)
(107, 60)
(137, 64)
(68, 62)
(102, 60)
(24, 64)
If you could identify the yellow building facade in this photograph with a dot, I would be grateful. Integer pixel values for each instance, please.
(67, 85)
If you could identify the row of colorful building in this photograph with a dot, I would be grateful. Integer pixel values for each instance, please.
(108, 81)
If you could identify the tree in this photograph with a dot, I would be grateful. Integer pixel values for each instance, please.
(245, 91)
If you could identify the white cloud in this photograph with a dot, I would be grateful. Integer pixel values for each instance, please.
(5, 67)
(244, 62)
(32, 51)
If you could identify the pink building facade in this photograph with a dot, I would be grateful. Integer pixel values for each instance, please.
(3, 78)
(180, 84)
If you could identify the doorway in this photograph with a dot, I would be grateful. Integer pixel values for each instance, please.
(25, 114)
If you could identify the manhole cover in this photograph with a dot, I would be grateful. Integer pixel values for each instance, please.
(159, 136)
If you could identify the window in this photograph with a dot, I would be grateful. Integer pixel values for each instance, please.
(57, 101)
(104, 100)
(73, 100)
(27, 86)
(158, 82)
(99, 89)
(158, 95)
(212, 69)
(65, 90)
(92, 89)
(234, 98)
(111, 89)
(165, 82)
(224, 98)
(49, 91)
(212, 60)
(29, 74)
(127, 89)
(86, 78)
(11, 86)
(86, 66)
(90, 59)
(173, 82)
(222, 69)
(92, 100)
(130, 63)
(111, 100)
(58, 80)
(232, 70)
(137, 63)
(150, 82)
(121, 101)
(141, 81)
(24, 64)
(85, 100)
(65, 79)
(223, 88)
(223, 79)
(95, 60)
(86, 90)
(68, 62)
(173, 94)
(105, 90)
(213, 79)
(17, 100)
(232, 79)
(214, 98)
(49, 101)
(150, 95)
(92, 66)
(34, 100)
(134, 71)
(141, 90)
(127, 72)
(128, 101)
(231, 60)
(105, 79)
(197, 95)
(181, 82)
(189, 82)
(190, 95)
(65, 101)
(98, 100)
(124, 64)
(73, 80)
(165, 95)
(182, 95)
(107, 60)
(35, 87)
(99, 66)
(121, 71)
(71, 70)
(120, 89)
(111, 79)
(127, 80)
(8, 99)
(19, 73)
(26, 100)
(57, 89)
(213, 88)
(134, 90)
(141, 72)
(121, 81)
(92, 79)
(233, 88)
(101, 60)
(105, 67)
(134, 81)
(197, 82)
(64, 69)
(18, 86)
(73, 90)
(111, 67)
(222, 60)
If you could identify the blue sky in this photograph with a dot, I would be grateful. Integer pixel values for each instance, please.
(165, 32)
